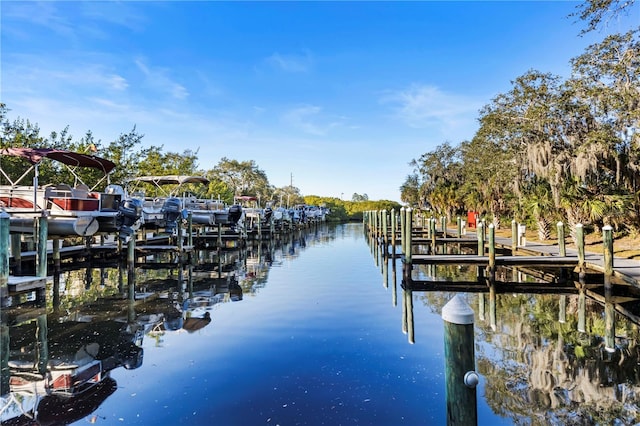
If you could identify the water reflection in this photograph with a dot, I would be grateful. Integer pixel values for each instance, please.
(540, 338)
(57, 358)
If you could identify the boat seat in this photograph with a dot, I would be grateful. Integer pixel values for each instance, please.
(57, 191)
(80, 191)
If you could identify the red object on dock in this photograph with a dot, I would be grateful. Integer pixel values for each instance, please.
(472, 219)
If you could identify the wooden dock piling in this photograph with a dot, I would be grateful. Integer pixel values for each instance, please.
(609, 310)
(459, 354)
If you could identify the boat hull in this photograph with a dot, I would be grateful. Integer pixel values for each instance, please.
(57, 225)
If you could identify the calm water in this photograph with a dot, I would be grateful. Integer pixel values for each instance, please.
(310, 331)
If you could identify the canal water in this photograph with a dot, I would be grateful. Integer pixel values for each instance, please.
(310, 330)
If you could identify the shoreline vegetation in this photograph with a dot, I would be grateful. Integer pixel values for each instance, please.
(552, 148)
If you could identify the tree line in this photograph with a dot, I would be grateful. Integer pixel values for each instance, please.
(551, 148)
(227, 179)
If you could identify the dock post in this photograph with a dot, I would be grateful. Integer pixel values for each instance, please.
(460, 376)
(481, 306)
(56, 254)
(480, 234)
(443, 223)
(131, 260)
(394, 231)
(562, 249)
(609, 312)
(433, 234)
(459, 223)
(16, 252)
(514, 236)
(409, 225)
(403, 229)
(41, 254)
(385, 231)
(492, 252)
(4, 256)
(219, 239)
(580, 246)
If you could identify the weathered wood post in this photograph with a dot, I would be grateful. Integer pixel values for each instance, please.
(460, 376)
(562, 249)
(481, 306)
(394, 231)
(514, 236)
(4, 255)
(385, 232)
(403, 229)
(459, 224)
(609, 312)
(443, 223)
(480, 235)
(41, 254)
(16, 252)
(56, 254)
(131, 262)
(433, 234)
(409, 225)
(579, 231)
(492, 252)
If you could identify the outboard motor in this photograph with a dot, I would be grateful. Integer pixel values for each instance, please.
(172, 213)
(268, 212)
(235, 212)
(128, 219)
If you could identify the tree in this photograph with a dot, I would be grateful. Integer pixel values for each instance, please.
(596, 12)
(243, 178)
(410, 190)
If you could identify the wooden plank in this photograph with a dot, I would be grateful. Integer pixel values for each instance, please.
(24, 284)
(163, 248)
(456, 259)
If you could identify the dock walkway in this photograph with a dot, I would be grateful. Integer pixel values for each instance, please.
(627, 270)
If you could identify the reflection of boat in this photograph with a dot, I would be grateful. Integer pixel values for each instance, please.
(77, 210)
(57, 410)
(67, 365)
(175, 197)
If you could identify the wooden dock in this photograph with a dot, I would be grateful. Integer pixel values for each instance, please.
(461, 259)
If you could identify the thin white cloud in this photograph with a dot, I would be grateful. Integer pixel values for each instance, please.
(62, 78)
(311, 120)
(158, 79)
(293, 63)
(422, 106)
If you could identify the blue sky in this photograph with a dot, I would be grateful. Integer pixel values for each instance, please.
(339, 95)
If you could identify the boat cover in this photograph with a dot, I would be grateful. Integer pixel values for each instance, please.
(36, 155)
(172, 179)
